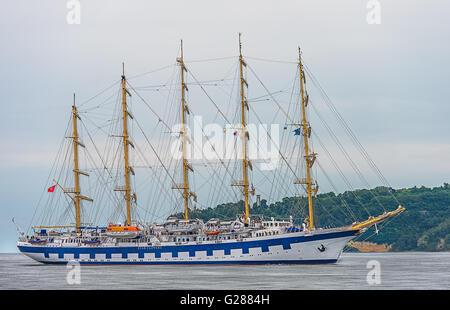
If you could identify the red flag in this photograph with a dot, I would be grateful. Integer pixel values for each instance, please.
(51, 189)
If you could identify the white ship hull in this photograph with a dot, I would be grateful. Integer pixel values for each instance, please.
(291, 248)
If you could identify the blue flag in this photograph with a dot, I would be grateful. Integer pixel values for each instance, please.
(297, 132)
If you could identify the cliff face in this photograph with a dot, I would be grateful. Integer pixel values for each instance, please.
(368, 246)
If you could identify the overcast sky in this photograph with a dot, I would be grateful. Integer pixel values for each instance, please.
(389, 80)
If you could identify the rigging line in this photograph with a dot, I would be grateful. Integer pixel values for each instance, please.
(213, 148)
(155, 199)
(144, 209)
(219, 214)
(67, 211)
(139, 151)
(210, 59)
(61, 161)
(48, 178)
(159, 86)
(350, 132)
(218, 157)
(96, 149)
(152, 71)
(101, 127)
(323, 207)
(259, 97)
(95, 96)
(165, 85)
(234, 84)
(119, 210)
(272, 60)
(116, 160)
(217, 107)
(298, 164)
(350, 161)
(294, 92)
(210, 84)
(209, 182)
(267, 178)
(113, 127)
(211, 195)
(269, 93)
(233, 68)
(156, 154)
(340, 171)
(382, 226)
(214, 102)
(151, 109)
(215, 173)
(221, 161)
(100, 105)
(286, 119)
(101, 179)
(212, 81)
(65, 162)
(116, 149)
(278, 181)
(270, 137)
(335, 189)
(280, 107)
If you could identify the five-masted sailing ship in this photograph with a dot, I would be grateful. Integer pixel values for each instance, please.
(187, 240)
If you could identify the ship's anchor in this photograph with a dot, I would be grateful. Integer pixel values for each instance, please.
(322, 248)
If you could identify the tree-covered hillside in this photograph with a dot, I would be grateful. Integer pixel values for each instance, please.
(425, 225)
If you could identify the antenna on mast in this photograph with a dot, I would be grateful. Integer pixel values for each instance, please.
(181, 43)
(240, 45)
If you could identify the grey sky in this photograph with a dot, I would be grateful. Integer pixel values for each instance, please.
(390, 81)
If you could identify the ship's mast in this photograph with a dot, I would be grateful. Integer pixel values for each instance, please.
(309, 157)
(184, 110)
(76, 171)
(244, 135)
(126, 142)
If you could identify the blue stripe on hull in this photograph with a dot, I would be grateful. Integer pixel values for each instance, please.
(243, 262)
(191, 249)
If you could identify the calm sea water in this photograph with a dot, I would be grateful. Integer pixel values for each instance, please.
(411, 270)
